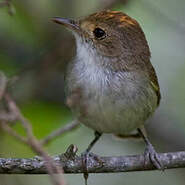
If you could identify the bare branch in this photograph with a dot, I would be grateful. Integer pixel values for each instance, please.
(69, 127)
(11, 132)
(72, 163)
(7, 117)
(33, 142)
(14, 114)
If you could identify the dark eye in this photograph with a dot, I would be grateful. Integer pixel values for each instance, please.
(99, 33)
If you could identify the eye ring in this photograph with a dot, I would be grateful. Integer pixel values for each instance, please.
(99, 33)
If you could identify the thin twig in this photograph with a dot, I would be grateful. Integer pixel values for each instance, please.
(11, 132)
(49, 163)
(69, 127)
(34, 143)
(7, 117)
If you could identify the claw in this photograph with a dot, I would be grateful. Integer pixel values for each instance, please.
(153, 156)
(150, 152)
(85, 156)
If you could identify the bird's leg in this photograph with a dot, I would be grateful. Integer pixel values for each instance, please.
(150, 151)
(86, 153)
(96, 138)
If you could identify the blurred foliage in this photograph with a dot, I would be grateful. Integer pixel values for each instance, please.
(36, 51)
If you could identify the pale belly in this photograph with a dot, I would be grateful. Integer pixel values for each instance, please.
(114, 112)
(105, 116)
(109, 103)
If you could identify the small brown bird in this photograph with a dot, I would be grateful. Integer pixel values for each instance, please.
(111, 85)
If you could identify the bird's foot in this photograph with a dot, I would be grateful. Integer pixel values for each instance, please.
(153, 156)
(85, 157)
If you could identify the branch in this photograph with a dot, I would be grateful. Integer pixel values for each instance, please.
(13, 133)
(69, 127)
(71, 163)
(32, 141)
(7, 117)
(14, 114)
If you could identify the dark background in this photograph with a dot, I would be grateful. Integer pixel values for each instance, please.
(34, 52)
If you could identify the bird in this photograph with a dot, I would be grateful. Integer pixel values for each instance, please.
(111, 85)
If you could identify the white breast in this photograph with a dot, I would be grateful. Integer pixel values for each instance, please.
(115, 103)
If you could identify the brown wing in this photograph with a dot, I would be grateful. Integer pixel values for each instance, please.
(154, 82)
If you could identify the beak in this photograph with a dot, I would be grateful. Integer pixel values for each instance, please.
(68, 23)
